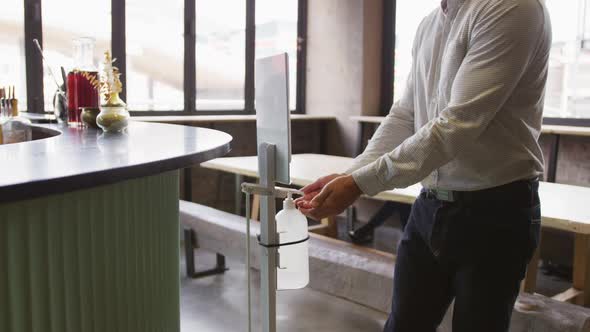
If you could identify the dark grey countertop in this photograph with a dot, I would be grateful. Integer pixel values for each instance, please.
(83, 158)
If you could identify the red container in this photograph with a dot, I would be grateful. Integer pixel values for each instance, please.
(82, 92)
(82, 83)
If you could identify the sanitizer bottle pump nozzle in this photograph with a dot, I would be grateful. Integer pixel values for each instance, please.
(293, 268)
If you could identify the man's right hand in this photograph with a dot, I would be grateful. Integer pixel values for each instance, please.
(312, 190)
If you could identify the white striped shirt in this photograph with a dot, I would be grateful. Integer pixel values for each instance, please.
(471, 114)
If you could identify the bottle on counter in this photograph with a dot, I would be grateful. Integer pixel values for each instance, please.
(13, 127)
(82, 81)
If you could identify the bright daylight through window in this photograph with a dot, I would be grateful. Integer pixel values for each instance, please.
(568, 86)
(12, 49)
(59, 34)
(276, 32)
(155, 55)
(155, 48)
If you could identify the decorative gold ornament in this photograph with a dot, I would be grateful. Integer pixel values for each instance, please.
(110, 82)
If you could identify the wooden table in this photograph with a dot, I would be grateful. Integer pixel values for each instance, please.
(554, 131)
(564, 207)
(212, 120)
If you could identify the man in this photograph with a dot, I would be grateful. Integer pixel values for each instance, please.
(467, 128)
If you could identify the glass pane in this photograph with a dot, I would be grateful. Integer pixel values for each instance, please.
(155, 55)
(64, 21)
(568, 92)
(12, 49)
(220, 54)
(276, 32)
(410, 14)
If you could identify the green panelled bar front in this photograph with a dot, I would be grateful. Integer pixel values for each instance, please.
(100, 259)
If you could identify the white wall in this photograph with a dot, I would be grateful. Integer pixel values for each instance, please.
(343, 65)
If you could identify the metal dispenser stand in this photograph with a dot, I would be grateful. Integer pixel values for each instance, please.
(274, 155)
(268, 235)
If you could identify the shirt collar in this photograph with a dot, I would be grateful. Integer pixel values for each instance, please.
(450, 7)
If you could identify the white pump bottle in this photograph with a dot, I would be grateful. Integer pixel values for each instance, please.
(293, 267)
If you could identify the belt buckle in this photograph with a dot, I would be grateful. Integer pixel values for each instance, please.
(444, 195)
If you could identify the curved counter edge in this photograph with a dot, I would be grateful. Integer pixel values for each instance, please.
(109, 175)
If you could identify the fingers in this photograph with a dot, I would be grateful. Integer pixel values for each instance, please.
(319, 183)
(321, 197)
(308, 213)
(316, 186)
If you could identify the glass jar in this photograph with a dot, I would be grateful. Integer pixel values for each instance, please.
(15, 129)
(83, 83)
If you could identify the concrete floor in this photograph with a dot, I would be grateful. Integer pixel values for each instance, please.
(218, 303)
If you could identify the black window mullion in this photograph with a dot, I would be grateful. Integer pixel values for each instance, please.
(250, 51)
(190, 60)
(118, 40)
(301, 55)
(388, 56)
(33, 61)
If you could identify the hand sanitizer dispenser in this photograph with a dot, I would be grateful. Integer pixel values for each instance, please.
(293, 267)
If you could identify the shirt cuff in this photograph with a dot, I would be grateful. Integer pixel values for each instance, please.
(367, 180)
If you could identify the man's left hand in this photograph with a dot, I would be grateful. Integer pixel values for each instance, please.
(334, 198)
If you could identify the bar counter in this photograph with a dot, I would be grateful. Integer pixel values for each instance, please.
(89, 233)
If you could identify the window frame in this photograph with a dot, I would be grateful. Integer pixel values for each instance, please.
(34, 65)
(388, 68)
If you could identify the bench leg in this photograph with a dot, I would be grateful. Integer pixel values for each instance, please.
(582, 268)
(189, 247)
(255, 213)
(238, 194)
(327, 227)
(529, 284)
(332, 226)
(580, 291)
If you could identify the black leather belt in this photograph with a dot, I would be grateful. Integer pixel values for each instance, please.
(515, 187)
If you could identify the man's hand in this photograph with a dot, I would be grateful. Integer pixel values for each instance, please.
(334, 198)
(312, 190)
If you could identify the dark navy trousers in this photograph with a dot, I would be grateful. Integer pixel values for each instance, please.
(473, 250)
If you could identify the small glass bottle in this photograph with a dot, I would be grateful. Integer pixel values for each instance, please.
(83, 84)
(13, 127)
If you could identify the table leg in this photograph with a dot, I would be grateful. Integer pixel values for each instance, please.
(582, 267)
(553, 156)
(188, 184)
(332, 226)
(327, 227)
(323, 128)
(361, 138)
(255, 213)
(529, 284)
(238, 194)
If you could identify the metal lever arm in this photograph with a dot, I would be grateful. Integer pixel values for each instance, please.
(279, 192)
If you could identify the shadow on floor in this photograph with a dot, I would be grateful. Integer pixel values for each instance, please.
(218, 304)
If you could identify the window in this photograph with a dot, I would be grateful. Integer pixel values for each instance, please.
(155, 55)
(405, 30)
(276, 32)
(12, 50)
(83, 19)
(220, 54)
(188, 56)
(568, 85)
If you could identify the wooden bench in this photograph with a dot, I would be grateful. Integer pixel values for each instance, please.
(564, 207)
(359, 274)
